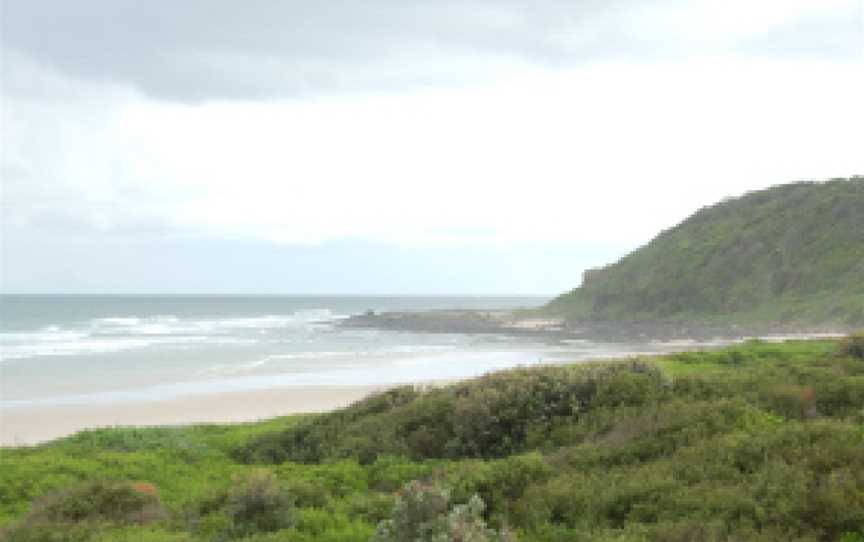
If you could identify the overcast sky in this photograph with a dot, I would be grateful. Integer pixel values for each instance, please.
(400, 146)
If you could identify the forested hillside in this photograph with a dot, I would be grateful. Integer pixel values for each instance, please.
(789, 254)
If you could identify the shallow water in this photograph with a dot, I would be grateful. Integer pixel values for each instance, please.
(101, 349)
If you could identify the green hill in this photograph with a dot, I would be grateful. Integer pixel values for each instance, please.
(788, 254)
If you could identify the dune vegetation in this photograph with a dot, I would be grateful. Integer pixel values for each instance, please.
(756, 442)
(792, 254)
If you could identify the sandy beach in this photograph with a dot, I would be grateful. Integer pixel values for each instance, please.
(32, 425)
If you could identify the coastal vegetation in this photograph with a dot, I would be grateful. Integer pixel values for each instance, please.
(792, 254)
(757, 441)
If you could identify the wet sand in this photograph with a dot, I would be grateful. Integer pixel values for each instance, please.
(23, 425)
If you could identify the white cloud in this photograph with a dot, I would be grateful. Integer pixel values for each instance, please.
(723, 24)
(605, 153)
(197, 51)
(479, 127)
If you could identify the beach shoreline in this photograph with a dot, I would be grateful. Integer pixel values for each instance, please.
(31, 425)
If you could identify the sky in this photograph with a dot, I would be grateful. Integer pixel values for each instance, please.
(399, 146)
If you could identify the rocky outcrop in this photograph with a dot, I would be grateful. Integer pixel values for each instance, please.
(518, 324)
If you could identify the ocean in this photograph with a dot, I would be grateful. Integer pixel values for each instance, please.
(101, 349)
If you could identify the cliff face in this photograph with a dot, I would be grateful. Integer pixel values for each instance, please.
(792, 253)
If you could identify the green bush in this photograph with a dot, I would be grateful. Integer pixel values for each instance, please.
(307, 493)
(143, 534)
(423, 514)
(494, 416)
(46, 532)
(180, 440)
(100, 500)
(258, 502)
(498, 483)
(70, 514)
(389, 473)
(852, 346)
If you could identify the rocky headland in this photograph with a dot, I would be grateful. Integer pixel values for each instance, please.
(527, 324)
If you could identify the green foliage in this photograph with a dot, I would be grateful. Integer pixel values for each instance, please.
(61, 513)
(257, 502)
(756, 441)
(852, 346)
(310, 444)
(99, 499)
(494, 416)
(423, 514)
(792, 253)
(499, 483)
(133, 439)
(46, 532)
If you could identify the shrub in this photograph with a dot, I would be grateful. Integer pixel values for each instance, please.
(421, 515)
(179, 440)
(46, 532)
(490, 417)
(258, 502)
(100, 500)
(498, 483)
(389, 473)
(852, 346)
(795, 402)
(418, 507)
(371, 506)
(66, 515)
(142, 534)
(307, 493)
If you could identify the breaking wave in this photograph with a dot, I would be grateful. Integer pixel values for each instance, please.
(117, 334)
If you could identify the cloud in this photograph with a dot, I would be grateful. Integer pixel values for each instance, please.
(607, 153)
(222, 50)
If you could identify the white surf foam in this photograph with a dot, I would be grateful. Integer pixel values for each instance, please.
(122, 333)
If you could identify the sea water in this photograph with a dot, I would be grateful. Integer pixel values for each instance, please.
(87, 349)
